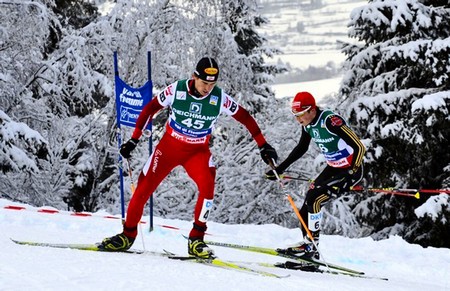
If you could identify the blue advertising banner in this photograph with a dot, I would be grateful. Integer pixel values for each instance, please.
(129, 104)
(130, 101)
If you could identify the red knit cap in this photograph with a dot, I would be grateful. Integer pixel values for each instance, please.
(302, 102)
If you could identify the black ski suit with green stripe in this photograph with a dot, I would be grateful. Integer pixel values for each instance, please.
(343, 151)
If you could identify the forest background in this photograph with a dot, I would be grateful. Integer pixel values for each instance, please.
(58, 142)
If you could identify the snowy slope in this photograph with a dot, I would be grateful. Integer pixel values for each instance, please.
(315, 45)
(408, 267)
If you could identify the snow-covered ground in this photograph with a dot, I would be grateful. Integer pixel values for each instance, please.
(408, 267)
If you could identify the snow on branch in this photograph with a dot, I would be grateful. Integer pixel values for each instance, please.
(432, 102)
(19, 145)
(390, 16)
(434, 206)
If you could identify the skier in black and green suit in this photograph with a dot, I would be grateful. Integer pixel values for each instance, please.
(343, 152)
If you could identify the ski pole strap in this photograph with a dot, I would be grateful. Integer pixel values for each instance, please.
(273, 167)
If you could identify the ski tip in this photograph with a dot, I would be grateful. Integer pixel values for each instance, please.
(18, 241)
(168, 253)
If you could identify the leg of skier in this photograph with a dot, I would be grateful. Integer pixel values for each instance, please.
(201, 169)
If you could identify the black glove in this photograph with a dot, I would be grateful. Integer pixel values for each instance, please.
(126, 148)
(268, 153)
(271, 174)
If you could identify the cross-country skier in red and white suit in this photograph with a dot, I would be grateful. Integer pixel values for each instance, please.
(195, 104)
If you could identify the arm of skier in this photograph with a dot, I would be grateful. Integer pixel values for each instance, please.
(266, 150)
(244, 117)
(337, 125)
(145, 117)
(297, 152)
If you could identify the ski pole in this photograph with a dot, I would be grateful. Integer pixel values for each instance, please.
(446, 191)
(133, 188)
(391, 189)
(417, 195)
(287, 177)
(294, 207)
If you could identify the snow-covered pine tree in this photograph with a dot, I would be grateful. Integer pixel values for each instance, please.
(51, 81)
(397, 93)
(20, 147)
(26, 29)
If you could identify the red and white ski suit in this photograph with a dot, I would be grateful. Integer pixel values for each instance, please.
(183, 145)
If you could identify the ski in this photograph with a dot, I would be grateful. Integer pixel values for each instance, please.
(82, 247)
(94, 247)
(215, 262)
(280, 253)
(306, 268)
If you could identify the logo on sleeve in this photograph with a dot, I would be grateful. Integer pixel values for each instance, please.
(336, 120)
(168, 91)
(230, 104)
(162, 97)
(233, 107)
